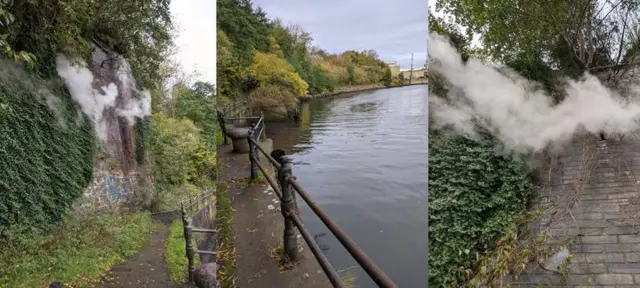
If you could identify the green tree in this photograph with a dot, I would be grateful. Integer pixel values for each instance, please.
(400, 78)
(138, 30)
(198, 105)
(386, 78)
(574, 36)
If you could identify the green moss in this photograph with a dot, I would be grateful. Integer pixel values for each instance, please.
(47, 150)
(76, 253)
(175, 253)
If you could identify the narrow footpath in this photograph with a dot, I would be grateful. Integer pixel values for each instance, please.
(258, 227)
(146, 269)
(594, 192)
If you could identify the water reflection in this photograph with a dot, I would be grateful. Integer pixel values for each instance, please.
(364, 160)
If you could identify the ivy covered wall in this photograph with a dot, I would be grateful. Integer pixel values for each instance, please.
(46, 148)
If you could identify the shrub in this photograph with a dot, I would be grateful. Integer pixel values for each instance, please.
(182, 160)
(46, 149)
(475, 197)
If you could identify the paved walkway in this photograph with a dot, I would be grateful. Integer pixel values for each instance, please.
(595, 192)
(146, 270)
(258, 227)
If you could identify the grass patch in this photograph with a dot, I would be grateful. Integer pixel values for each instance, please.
(77, 253)
(226, 249)
(175, 253)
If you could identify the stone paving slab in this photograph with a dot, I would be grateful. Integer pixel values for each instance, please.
(258, 227)
(595, 189)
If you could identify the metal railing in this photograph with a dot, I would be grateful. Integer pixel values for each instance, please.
(237, 121)
(284, 188)
(235, 109)
(189, 230)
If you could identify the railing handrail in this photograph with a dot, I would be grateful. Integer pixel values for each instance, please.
(188, 230)
(367, 264)
(198, 198)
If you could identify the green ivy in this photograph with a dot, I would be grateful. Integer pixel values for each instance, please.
(46, 148)
(475, 196)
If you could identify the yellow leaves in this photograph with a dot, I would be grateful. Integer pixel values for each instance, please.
(269, 69)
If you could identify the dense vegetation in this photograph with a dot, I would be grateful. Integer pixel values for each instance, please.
(566, 37)
(138, 30)
(48, 147)
(275, 64)
(475, 195)
(49, 151)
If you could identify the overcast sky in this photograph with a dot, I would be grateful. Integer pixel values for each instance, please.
(196, 41)
(394, 29)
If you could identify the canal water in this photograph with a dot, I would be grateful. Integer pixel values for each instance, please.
(363, 158)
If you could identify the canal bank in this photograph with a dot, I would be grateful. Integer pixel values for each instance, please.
(347, 91)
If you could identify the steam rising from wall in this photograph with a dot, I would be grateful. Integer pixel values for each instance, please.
(95, 98)
(522, 116)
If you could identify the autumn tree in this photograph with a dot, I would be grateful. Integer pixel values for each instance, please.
(278, 82)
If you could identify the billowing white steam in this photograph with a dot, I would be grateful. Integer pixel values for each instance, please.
(140, 105)
(93, 102)
(514, 110)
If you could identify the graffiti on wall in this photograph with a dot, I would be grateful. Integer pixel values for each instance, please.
(117, 190)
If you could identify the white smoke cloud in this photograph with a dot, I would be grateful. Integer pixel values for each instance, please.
(140, 103)
(519, 114)
(92, 101)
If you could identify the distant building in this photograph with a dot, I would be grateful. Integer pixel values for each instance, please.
(417, 74)
(395, 68)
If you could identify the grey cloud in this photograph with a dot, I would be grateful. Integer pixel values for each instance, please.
(394, 29)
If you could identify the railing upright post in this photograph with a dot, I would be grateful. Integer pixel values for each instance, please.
(264, 127)
(252, 152)
(287, 206)
(189, 248)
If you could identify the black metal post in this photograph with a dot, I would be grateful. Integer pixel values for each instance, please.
(287, 206)
(189, 248)
(252, 152)
(264, 127)
(223, 126)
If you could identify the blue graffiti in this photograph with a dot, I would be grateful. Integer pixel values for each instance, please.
(115, 194)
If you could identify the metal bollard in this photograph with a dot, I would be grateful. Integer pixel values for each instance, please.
(287, 206)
